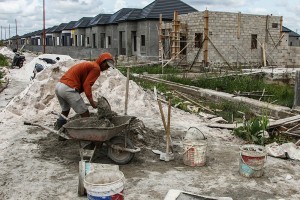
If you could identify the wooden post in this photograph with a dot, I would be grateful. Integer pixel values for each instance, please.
(127, 89)
(297, 90)
(238, 34)
(160, 37)
(281, 33)
(168, 128)
(264, 54)
(205, 55)
(175, 35)
(267, 30)
(161, 49)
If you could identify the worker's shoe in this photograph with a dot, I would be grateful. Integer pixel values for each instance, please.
(59, 123)
(61, 138)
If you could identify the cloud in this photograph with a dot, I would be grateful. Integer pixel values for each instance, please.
(120, 4)
(216, 3)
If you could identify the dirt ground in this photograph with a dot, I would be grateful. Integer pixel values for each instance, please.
(146, 176)
(35, 165)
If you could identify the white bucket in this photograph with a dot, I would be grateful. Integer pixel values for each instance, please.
(86, 167)
(194, 146)
(105, 184)
(194, 153)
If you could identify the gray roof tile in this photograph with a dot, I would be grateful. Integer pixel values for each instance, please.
(118, 15)
(100, 19)
(291, 33)
(166, 8)
(83, 22)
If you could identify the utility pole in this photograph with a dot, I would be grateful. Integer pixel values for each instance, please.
(44, 31)
(1, 32)
(9, 34)
(16, 33)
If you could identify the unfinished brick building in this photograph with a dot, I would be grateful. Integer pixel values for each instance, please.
(227, 39)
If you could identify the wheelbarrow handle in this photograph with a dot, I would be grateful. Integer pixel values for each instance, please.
(47, 128)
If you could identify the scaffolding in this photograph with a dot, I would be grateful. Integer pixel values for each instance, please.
(172, 39)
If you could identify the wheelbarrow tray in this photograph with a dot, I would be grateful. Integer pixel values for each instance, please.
(74, 129)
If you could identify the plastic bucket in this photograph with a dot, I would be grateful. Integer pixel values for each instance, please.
(194, 153)
(105, 185)
(94, 167)
(86, 167)
(252, 160)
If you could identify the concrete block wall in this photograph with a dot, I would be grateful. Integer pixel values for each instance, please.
(223, 28)
(294, 59)
(74, 52)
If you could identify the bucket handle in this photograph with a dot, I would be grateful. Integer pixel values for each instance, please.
(199, 131)
(186, 150)
(117, 192)
(250, 166)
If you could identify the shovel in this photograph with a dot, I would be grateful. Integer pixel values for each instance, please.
(168, 155)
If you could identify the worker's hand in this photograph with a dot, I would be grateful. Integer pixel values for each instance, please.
(93, 103)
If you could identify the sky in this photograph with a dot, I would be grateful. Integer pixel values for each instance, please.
(28, 14)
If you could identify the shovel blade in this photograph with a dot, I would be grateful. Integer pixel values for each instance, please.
(166, 157)
(157, 151)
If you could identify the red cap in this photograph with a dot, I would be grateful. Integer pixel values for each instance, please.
(104, 56)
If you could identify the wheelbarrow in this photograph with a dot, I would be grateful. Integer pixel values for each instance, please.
(120, 148)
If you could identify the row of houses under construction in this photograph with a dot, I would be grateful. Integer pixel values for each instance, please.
(173, 29)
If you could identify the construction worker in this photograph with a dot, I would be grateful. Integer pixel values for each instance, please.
(80, 78)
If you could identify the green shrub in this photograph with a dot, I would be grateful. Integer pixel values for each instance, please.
(253, 130)
(3, 60)
(155, 69)
(279, 94)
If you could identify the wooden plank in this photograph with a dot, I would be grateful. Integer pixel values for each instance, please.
(292, 134)
(287, 120)
(227, 126)
(271, 125)
(192, 101)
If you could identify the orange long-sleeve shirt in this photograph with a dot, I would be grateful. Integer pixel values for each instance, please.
(82, 77)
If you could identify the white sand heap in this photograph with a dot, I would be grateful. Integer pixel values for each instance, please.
(7, 52)
(38, 100)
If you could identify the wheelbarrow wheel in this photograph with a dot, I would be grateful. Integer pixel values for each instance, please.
(118, 156)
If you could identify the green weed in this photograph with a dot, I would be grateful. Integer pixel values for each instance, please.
(253, 130)
(155, 69)
(3, 60)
